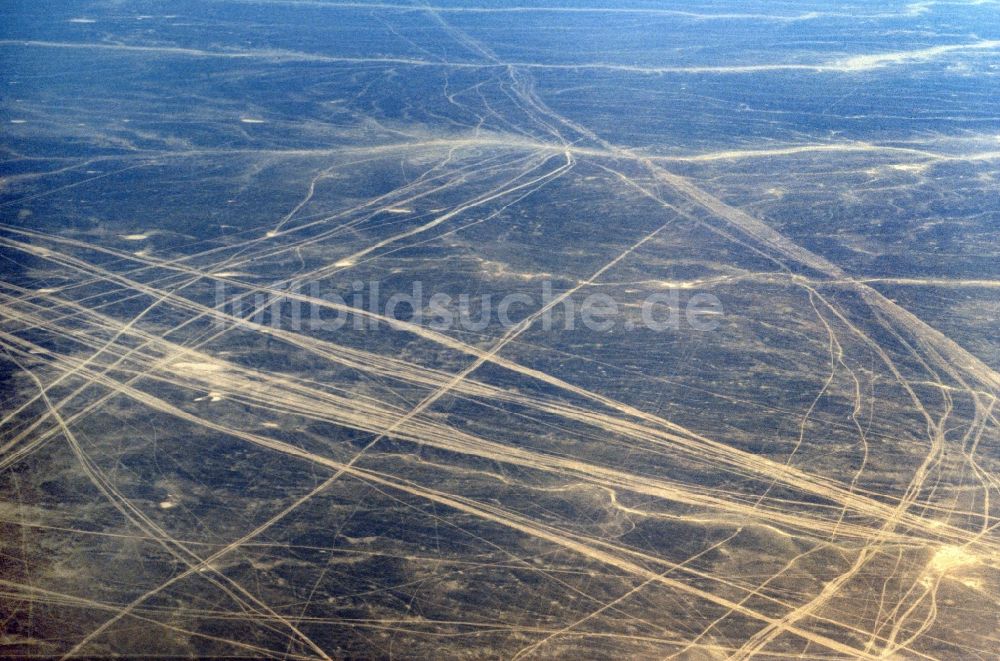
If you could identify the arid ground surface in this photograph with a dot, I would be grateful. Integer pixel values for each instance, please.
(483, 330)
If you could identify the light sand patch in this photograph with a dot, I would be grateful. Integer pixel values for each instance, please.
(950, 558)
(198, 367)
(915, 168)
(865, 62)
